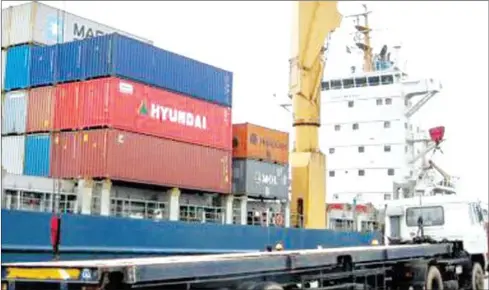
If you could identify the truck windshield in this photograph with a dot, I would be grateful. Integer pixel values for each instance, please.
(432, 216)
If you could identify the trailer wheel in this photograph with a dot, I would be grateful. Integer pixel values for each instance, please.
(477, 277)
(434, 280)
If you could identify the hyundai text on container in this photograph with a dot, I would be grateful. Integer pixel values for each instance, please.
(131, 106)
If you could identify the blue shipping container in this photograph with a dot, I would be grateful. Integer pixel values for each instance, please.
(14, 112)
(37, 156)
(42, 65)
(29, 66)
(69, 62)
(118, 55)
(18, 68)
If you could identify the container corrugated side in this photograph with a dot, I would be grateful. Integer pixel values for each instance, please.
(42, 24)
(64, 159)
(69, 62)
(14, 112)
(4, 64)
(42, 64)
(37, 155)
(118, 55)
(256, 142)
(121, 155)
(135, 107)
(13, 154)
(66, 102)
(17, 71)
(260, 179)
(40, 109)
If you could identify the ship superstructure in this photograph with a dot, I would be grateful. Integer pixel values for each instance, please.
(373, 146)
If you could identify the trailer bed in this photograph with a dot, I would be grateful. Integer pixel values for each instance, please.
(185, 269)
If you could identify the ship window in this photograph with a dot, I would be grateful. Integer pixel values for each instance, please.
(390, 172)
(331, 150)
(405, 125)
(388, 101)
(387, 196)
(361, 82)
(378, 102)
(348, 83)
(374, 81)
(361, 172)
(337, 127)
(355, 126)
(325, 86)
(405, 149)
(331, 173)
(387, 148)
(361, 149)
(350, 104)
(387, 124)
(431, 216)
(387, 80)
(336, 84)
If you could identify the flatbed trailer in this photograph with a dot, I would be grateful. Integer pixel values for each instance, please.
(371, 267)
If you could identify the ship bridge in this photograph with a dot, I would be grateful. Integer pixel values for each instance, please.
(368, 134)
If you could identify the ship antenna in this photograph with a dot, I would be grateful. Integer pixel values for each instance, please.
(364, 30)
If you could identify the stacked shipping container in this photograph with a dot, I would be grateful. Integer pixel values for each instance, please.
(260, 162)
(113, 107)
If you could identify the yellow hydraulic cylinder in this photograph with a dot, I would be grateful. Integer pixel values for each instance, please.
(312, 22)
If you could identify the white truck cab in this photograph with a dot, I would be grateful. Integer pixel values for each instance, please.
(447, 217)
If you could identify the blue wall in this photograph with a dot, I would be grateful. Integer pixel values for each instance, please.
(85, 236)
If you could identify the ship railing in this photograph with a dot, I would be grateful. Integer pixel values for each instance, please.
(38, 201)
(297, 220)
(139, 208)
(265, 218)
(236, 215)
(202, 214)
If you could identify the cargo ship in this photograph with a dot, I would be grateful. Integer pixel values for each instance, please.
(134, 148)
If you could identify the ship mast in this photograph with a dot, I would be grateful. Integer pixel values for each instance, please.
(363, 37)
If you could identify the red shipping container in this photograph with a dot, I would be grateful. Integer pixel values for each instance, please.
(66, 161)
(67, 106)
(40, 109)
(127, 156)
(134, 107)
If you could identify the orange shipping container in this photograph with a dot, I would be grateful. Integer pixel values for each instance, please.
(40, 110)
(256, 142)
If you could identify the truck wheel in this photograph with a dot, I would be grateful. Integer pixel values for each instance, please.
(477, 277)
(433, 279)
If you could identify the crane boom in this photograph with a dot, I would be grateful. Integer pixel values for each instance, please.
(312, 22)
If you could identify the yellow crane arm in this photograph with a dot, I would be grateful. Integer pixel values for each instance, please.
(312, 22)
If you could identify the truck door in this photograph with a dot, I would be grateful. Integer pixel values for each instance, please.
(395, 225)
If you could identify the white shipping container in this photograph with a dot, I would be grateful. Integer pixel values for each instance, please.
(4, 65)
(42, 24)
(13, 154)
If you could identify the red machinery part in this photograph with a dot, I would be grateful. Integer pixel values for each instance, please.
(437, 133)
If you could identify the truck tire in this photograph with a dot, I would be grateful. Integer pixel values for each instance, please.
(434, 280)
(477, 276)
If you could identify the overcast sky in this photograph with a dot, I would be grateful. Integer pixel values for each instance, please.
(444, 40)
